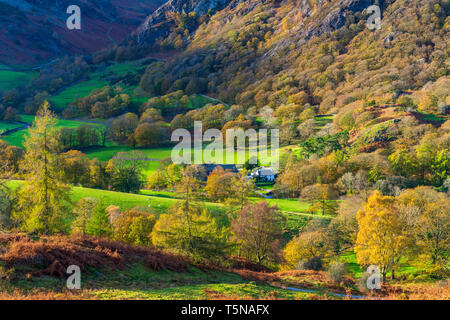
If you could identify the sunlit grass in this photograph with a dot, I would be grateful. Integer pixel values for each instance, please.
(12, 79)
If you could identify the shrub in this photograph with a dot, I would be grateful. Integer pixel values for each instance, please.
(337, 271)
(92, 218)
(188, 230)
(362, 282)
(5, 209)
(309, 248)
(134, 227)
(99, 225)
(315, 263)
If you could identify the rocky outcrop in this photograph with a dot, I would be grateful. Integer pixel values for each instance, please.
(334, 14)
(157, 25)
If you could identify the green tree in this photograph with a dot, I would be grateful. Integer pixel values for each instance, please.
(440, 167)
(134, 226)
(125, 170)
(242, 188)
(194, 233)
(98, 225)
(403, 163)
(322, 197)
(43, 202)
(6, 198)
(157, 181)
(83, 210)
(174, 174)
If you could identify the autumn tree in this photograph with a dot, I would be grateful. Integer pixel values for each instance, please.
(219, 184)
(344, 227)
(121, 128)
(151, 115)
(10, 158)
(306, 247)
(151, 134)
(258, 232)
(43, 202)
(297, 176)
(134, 226)
(189, 229)
(75, 166)
(194, 233)
(157, 181)
(174, 174)
(242, 188)
(381, 238)
(356, 183)
(11, 115)
(322, 198)
(426, 216)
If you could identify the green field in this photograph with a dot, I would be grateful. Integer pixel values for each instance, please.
(97, 80)
(349, 258)
(17, 138)
(104, 154)
(295, 212)
(7, 126)
(79, 90)
(126, 200)
(12, 79)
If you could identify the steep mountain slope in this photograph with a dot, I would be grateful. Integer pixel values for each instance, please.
(35, 30)
(159, 24)
(263, 52)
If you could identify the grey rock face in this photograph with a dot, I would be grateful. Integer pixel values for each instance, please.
(153, 26)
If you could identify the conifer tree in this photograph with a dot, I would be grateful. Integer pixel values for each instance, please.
(43, 201)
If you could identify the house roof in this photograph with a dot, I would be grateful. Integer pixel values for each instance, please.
(265, 172)
(227, 167)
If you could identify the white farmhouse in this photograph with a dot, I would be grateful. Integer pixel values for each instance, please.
(264, 174)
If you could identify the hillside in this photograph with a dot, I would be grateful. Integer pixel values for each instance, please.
(35, 31)
(359, 189)
(36, 269)
(159, 24)
(262, 52)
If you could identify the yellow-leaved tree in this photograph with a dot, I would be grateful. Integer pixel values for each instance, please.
(381, 237)
(43, 201)
(306, 247)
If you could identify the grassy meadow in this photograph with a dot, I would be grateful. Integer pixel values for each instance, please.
(17, 138)
(296, 212)
(14, 79)
(97, 80)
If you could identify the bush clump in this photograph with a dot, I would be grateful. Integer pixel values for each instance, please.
(315, 264)
(337, 272)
